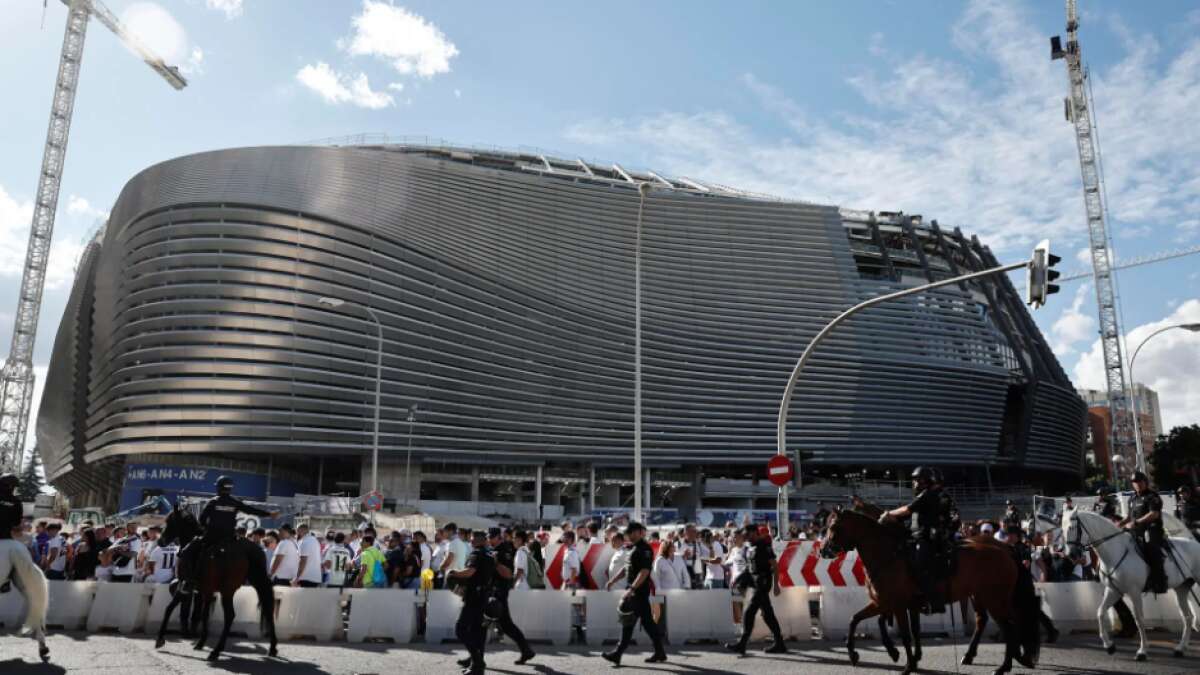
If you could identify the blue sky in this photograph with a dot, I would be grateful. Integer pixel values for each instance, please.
(952, 110)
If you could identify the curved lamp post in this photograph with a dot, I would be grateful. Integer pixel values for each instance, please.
(1137, 427)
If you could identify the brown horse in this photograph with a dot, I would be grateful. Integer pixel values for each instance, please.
(226, 569)
(987, 574)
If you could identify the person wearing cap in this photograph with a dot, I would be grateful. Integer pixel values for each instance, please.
(476, 579)
(505, 554)
(1106, 504)
(636, 600)
(1012, 515)
(1145, 521)
(764, 569)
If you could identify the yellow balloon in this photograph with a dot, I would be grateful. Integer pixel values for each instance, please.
(427, 575)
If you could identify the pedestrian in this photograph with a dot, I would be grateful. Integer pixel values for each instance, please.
(308, 572)
(372, 565)
(86, 558)
(55, 562)
(714, 558)
(570, 562)
(160, 567)
(635, 603)
(617, 563)
(505, 558)
(739, 572)
(125, 553)
(475, 578)
(337, 562)
(286, 561)
(765, 573)
(521, 561)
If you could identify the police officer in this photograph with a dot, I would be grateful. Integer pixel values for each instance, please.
(505, 555)
(926, 507)
(476, 581)
(947, 508)
(11, 514)
(219, 520)
(1187, 509)
(1145, 521)
(1106, 504)
(636, 600)
(764, 572)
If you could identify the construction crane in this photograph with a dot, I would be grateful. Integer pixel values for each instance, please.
(1079, 113)
(1136, 262)
(17, 378)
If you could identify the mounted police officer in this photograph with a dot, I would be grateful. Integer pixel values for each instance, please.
(947, 508)
(1145, 521)
(219, 520)
(926, 509)
(476, 580)
(1187, 509)
(1106, 504)
(11, 513)
(764, 570)
(635, 604)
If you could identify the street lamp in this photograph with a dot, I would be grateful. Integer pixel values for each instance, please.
(643, 190)
(335, 303)
(1137, 427)
(412, 418)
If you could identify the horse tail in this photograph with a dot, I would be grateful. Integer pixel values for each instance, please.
(1028, 608)
(35, 589)
(256, 574)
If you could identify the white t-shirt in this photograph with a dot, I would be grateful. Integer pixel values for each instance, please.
(617, 563)
(666, 574)
(715, 572)
(737, 562)
(570, 566)
(163, 558)
(134, 544)
(426, 557)
(311, 549)
(59, 544)
(288, 555)
(338, 557)
(460, 550)
(439, 554)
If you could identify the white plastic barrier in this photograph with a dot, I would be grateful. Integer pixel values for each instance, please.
(12, 609)
(700, 615)
(602, 623)
(791, 608)
(70, 604)
(247, 615)
(123, 607)
(1162, 611)
(159, 599)
(308, 612)
(377, 613)
(1071, 606)
(542, 615)
(838, 606)
(441, 614)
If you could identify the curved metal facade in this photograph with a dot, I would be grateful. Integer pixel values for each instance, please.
(504, 284)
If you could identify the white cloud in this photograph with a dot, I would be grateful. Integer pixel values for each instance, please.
(1084, 257)
(231, 8)
(458, 93)
(396, 86)
(977, 141)
(78, 206)
(337, 88)
(155, 28)
(15, 217)
(195, 63)
(1074, 325)
(405, 40)
(1168, 364)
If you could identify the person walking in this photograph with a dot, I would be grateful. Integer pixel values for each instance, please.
(476, 579)
(617, 563)
(505, 555)
(764, 570)
(636, 601)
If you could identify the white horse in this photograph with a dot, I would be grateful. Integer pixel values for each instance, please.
(16, 561)
(1123, 572)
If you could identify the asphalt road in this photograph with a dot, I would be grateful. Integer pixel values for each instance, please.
(107, 653)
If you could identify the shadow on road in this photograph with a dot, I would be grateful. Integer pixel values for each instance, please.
(21, 667)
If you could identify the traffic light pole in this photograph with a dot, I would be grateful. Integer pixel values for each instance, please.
(785, 404)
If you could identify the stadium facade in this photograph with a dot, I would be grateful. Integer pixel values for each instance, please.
(196, 337)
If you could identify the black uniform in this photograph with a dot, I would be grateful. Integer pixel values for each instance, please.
(505, 555)
(11, 514)
(926, 510)
(641, 557)
(758, 561)
(219, 518)
(476, 592)
(1150, 537)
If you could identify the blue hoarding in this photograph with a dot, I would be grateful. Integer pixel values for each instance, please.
(143, 481)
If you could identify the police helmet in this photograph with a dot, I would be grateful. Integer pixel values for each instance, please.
(936, 476)
(224, 485)
(1139, 477)
(9, 482)
(922, 473)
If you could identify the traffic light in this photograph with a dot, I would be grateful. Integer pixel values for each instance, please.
(1040, 275)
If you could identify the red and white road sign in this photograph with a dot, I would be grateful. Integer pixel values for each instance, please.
(779, 470)
(373, 501)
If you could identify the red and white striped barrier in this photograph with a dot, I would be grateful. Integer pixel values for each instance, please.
(801, 564)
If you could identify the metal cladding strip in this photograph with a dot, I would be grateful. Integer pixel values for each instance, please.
(506, 299)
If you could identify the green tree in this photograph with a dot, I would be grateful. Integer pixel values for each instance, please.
(1176, 457)
(31, 477)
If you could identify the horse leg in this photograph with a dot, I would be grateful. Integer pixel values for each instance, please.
(1009, 633)
(981, 619)
(162, 629)
(910, 665)
(201, 614)
(864, 613)
(885, 638)
(227, 610)
(1110, 598)
(1135, 600)
(185, 614)
(1185, 611)
(914, 625)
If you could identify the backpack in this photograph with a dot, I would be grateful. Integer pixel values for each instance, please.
(535, 576)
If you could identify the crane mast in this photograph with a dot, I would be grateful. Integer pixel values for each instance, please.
(17, 377)
(1080, 115)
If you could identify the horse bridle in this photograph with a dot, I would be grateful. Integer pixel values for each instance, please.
(1078, 541)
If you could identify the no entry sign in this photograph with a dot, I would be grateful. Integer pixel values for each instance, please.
(779, 470)
(373, 501)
